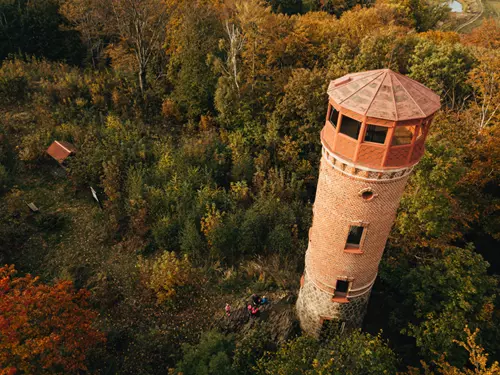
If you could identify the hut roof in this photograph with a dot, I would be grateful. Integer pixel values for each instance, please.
(60, 150)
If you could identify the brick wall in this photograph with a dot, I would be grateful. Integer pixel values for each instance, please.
(338, 205)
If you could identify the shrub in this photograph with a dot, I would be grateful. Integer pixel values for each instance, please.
(210, 356)
(166, 274)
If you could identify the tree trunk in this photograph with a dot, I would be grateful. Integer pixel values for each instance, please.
(142, 80)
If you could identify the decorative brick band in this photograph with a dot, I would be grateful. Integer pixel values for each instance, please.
(363, 173)
(330, 289)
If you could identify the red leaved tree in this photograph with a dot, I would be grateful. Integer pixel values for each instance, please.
(44, 329)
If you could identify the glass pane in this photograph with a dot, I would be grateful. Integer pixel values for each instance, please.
(334, 116)
(403, 135)
(375, 134)
(355, 233)
(350, 127)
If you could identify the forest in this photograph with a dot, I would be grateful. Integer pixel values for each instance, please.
(196, 123)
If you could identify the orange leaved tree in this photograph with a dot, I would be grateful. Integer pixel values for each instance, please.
(44, 329)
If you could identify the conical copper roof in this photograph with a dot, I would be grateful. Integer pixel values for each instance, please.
(384, 94)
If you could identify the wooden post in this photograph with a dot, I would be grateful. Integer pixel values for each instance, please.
(337, 129)
(388, 142)
(414, 140)
(360, 139)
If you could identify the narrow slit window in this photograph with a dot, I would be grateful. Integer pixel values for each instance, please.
(354, 237)
(350, 127)
(376, 134)
(334, 116)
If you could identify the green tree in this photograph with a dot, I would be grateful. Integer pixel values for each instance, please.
(195, 32)
(293, 358)
(286, 6)
(440, 296)
(429, 211)
(136, 29)
(301, 110)
(37, 28)
(478, 360)
(390, 47)
(443, 67)
(250, 347)
(211, 356)
(349, 353)
(356, 353)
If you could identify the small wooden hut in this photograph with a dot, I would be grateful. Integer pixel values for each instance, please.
(61, 150)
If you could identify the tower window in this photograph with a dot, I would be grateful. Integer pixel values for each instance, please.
(334, 116)
(350, 127)
(375, 134)
(354, 237)
(341, 288)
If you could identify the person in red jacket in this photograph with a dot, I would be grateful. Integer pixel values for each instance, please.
(255, 312)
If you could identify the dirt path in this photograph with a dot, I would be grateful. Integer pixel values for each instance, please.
(480, 6)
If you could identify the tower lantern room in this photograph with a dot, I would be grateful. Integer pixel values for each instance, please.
(375, 130)
(378, 119)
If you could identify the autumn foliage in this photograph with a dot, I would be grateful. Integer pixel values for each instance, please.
(44, 329)
(166, 274)
(197, 122)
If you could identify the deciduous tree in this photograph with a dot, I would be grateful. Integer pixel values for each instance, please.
(478, 360)
(443, 67)
(442, 294)
(44, 329)
(166, 274)
(134, 27)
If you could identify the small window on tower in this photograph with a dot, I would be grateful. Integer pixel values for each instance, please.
(350, 127)
(341, 287)
(334, 116)
(354, 237)
(341, 290)
(375, 134)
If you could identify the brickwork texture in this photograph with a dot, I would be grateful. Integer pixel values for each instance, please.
(360, 184)
(338, 205)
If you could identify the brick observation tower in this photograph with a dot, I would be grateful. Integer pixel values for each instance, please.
(375, 130)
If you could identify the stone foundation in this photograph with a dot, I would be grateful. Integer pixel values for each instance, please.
(315, 305)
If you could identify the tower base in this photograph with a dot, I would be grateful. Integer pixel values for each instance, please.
(315, 306)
